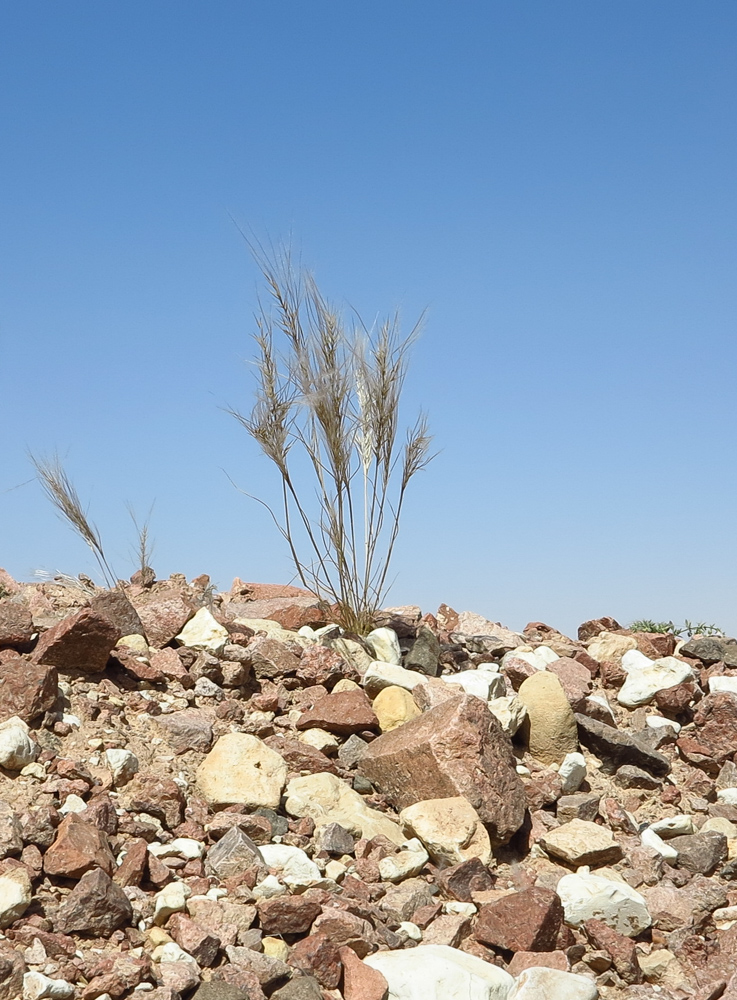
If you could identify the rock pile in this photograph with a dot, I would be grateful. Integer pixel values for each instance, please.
(225, 797)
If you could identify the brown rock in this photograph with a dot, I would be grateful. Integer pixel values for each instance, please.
(621, 949)
(82, 641)
(12, 968)
(290, 612)
(360, 981)
(538, 960)
(159, 797)
(270, 658)
(78, 847)
(300, 757)
(27, 689)
(126, 973)
(287, 914)
(320, 665)
(16, 625)
(164, 617)
(317, 956)
(116, 607)
(523, 921)
(715, 719)
(343, 713)
(458, 748)
(133, 866)
(677, 699)
(346, 929)
(575, 678)
(448, 929)
(463, 880)
(202, 945)
(167, 663)
(189, 729)
(96, 905)
(590, 629)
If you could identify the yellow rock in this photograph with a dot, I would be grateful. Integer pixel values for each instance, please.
(157, 936)
(394, 706)
(551, 725)
(346, 684)
(275, 948)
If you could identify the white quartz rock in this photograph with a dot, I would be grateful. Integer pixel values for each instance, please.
(538, 658)
(123, 764)
(645, 677)
(673, 826)
(36, 986)
(439, 972)
(538, 983)
(485, 684)
(509, 712)
(380, 675)
(171, 899)
(650, 838)
(203, 632)
(585, 896)
(572, 772)
(16, 747)
(297, 870)
(385, 645)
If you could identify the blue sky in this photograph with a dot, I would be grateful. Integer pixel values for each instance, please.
(554, 182)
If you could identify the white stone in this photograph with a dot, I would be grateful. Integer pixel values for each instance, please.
(728, 796)
(646, 677)
(180, 847)
(410, 930)
(241, 769)
(449, 828)
(650, 839)
(269, 888)
(724, 917)
(36, 986)
(273, 630)
(539, 658)
(455, 906)
(509, 711)
(171, 899)
(335, 870)
(171, 952)
(320, 739)
(482, 683)
(572, 772)
(606, 709)
(72, 804)
(297, 870)
(405, 864)
(123, 765)
(327, 799)
(16, 747)
(728, 684)
(385, 645)
(658, 722)
(610, 646)
(673, 826)
(203, 632)
(439, 972)
(135, 643)
(551, 984)
(380, 675)
(352, 652)
(585, 896)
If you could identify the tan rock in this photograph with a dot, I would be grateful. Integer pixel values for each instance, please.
(327, 799)
(450, 829)
(551, 725)
(582, 843)
(393, 707)
(611, 647)
(240, 769)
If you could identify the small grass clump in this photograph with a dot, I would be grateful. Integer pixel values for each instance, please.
(687, 630)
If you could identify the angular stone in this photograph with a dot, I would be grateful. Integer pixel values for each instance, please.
(450, 829)
(195, 940)
(621, 949)
(11, 832)
(317, 956)
(551, 725)
(233, 854)
(629, 776)
(462, 881)
(582, 843)
(325, 798)
(334, 839)
(82, 641)
(291, 613)
(645, 677)
(424, 653)
(346, 929)
(575, 678)
(382, 675)
(164, 617)
(96, 905)
(189, 729)
(133, 866)
(585, 896)
(715, 720)
(287, 914)
(241, 769)
(440, 972)
(522, 960)
(16, 625)
(455, 749)
(300, 756)
(591, 629)
(158, 796)
(610, 647)
(78, 847)
(523, 921)
(700, 853)
(302, 988)
(16, 894)
(704, 648)
(615, 748)
(550, 984)
(202, 631)
(360, 981)
(320, 665)
(117, 608)
(343, 713)
(270, 658)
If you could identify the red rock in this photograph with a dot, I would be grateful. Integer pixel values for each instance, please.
(202, 945)
(135, 665)
(82, 641)
(287, 914)
(677, 699)
(124, 975)
(538, 960)
(463, 880)
(159, 797)
(590, 629)
(613, 674)
(133, 865)
(621, 949)
(96, 905)
(164, 617)
(290, 612)
(270, 658)
(448, 929)
(346, 929)
(189, 729)
(360, 981)
(523, 921)
(344, 713)
(458, 748)
(317, 956)
(320, 665)
(167, 663)
(300, 757)
(241, 591)
(77, 849)
(27, 689)
(575, 678)
(592, 665)
(117, 608)
(16, 625)
(715, 737)
(517, 671)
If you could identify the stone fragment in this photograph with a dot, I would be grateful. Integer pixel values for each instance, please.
(233, 854)
(550, 984)
(291, 613)
(123, 764)
(96, 905)
(189, 729)
(572, 772)
(17, 749)
(455, 749)
(11, 832)
(294, 867)
(271, 659)
(203, 632)
(575, 678)
(288, 914)
(509, 712)
(325, 798)
(381, 675)
(700, 853)
(523, 921)
(704, 648)
(27, 689)
(462, 881)
(158, 796)
(16, 894)
(334, 839)
(582, 805)
(582, 843)
(78, 847)
(610, 647)
(360, 981)
(241, 769)
(195, 940)
(16, 624)
(450, 829)
(303, 988)
(385, 645)
(484, 683)
(171, 899)
(646, 677)
(424, 653)
(133, 866)
(299, 755)
(82, 641)
(317, 956)
(622, 949)
(629, 776)
(715, 736)
(615, 748)
(343, 713)
(37, 986)
(219, 990)
(393, 707)
(522, 960)
(585, 896)
(440, 972)
(406, 864)
(319, 665)
(551, 725)
(163, 617)
(347, 929)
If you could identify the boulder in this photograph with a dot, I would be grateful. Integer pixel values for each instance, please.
(241, 769)
(82, 641)
(551, 724)
(440, 972)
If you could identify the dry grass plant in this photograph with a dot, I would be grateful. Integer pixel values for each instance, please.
(332, 392)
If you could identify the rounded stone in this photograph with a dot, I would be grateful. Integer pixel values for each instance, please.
(393, 707)
(551, 725)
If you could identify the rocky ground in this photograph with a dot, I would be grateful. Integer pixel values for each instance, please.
(223, 797)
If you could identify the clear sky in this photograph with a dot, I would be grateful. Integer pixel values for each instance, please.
(555, 182)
